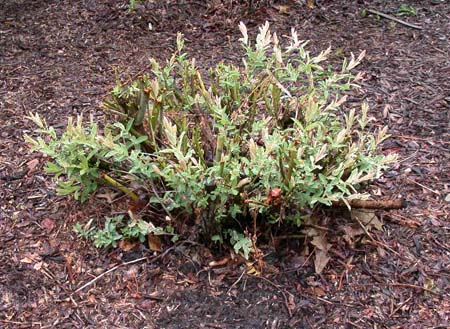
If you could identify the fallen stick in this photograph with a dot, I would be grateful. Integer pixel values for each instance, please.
(399, 219)
(372, 204)
(108, 271)
(150, 260)
(424, 187)
(413, 286)
(395, 19)
(111, 181)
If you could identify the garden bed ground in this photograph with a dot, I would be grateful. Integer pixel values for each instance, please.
(58, 58)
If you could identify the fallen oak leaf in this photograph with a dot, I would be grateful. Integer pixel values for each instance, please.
(321, 242)
(367, 218)
(351, 232)
(321, 260)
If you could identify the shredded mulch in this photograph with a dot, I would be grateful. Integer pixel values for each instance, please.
(60, 58)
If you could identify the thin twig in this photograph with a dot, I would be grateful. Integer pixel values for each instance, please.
(365, 230)
(395, 19)
(286, 301)
(301, 266)
(22, 323)
(109, 271)
(354, 324)
(373, 240)
(421, 139)
(213, 325)
(326, 301)
(423, 186)
(321, 228)
(402, 220)
(288, 237)
(236, 282)
(161, 203)
(400, 306)
(111, 181)
(152, 260)
(413, 286)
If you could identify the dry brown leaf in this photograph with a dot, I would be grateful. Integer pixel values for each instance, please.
(367, 218)
(91, 300)
(109, 196)
(270, 269)
(291, 302)
(381, 252)
(318, 291)
(310, 4)
(351, 232)
(48, 224)
(131, 273)
(310, 231)
(252, 270)
(283, 9)
(220, 262)
(321, 260)
(126, 245)
(429, 284)
(274, 197)
(154, 242)
(387, 109)
(32, 164)
(298, 261)
(38, 266)
(30, 258)
(321, 242)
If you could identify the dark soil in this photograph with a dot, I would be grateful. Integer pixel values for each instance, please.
(58, 58)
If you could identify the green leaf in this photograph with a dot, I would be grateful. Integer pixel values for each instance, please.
(53, 168)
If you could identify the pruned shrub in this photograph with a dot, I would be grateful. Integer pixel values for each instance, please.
(267, 142)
